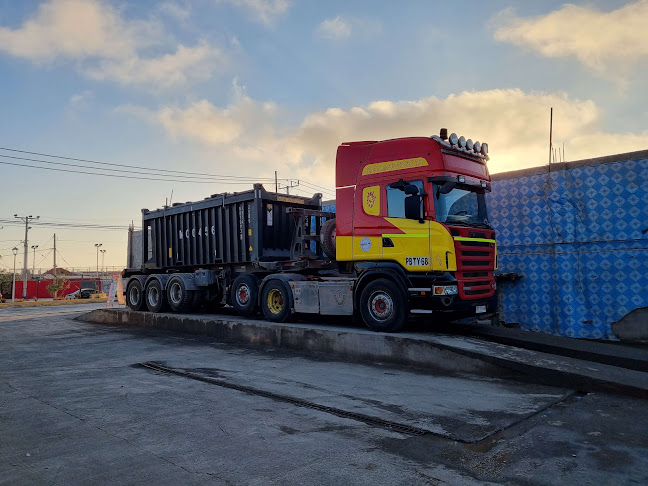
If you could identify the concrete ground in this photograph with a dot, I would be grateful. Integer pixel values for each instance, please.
(77, 407)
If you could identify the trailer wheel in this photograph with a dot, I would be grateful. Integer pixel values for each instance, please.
(383, 306)
(180, 299)
(327, 238)
(275, 301)
(245, 294)
(135, 295)
(156, 299)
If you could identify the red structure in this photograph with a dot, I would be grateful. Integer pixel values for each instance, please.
(38, 289)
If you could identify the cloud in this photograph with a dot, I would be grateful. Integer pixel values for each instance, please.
(513, 122)
(603, 41)
(202, 121)
(176, 11)
(80, 101)
(185, 65)
(106, 46)
(342, 28)
(264, 11)
(334, 29)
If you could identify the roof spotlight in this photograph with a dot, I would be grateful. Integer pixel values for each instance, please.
(469, 144)
(462, 141)
(477, 147)
(454, 139)
(484, 148)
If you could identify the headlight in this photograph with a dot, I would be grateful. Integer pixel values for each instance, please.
(469, 144)
(462, 141)
(484, 148)
(477, 147)
(445, 290)
(454, 139)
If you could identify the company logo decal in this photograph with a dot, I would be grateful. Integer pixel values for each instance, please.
(365, 244)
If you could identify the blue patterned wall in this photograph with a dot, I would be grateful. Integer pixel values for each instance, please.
(578, 237)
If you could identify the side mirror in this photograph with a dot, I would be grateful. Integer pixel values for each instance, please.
(410, 189)
(413, 207)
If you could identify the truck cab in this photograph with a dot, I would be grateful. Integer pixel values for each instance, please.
(417, 206)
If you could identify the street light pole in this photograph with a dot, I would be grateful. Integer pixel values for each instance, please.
(14, 250)
(97, 245)
(103, 256)
(34, 261)
(25, 220)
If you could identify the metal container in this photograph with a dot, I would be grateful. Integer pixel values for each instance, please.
(245, 227)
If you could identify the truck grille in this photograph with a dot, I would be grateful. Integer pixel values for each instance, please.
(475, 264)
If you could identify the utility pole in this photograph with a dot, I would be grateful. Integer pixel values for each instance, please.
(97, 245)
(34, 261)
(14, 250)
(26, 220)
(55, 255)
(288, 187)
(550, 136)
(276, 184)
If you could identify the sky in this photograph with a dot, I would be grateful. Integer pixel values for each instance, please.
(183, 99)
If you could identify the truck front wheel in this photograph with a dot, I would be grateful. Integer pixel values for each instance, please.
(383, 306)
(275, 301)
(135, 295)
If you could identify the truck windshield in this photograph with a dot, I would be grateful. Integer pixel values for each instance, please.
(460, 206)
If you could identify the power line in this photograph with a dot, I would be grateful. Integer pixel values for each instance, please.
(190, 175)
(109, 175)
(121, 165)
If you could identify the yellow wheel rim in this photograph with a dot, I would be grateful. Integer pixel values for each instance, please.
(275, 301)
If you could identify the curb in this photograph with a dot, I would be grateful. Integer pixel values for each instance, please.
(47, 303)
(441, 351)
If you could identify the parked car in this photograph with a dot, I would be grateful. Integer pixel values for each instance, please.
(88, 293)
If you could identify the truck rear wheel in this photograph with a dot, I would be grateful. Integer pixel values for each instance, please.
(275, 301)
(327, 238)
(180, 299)
(245, 294)
(156, 299)
(135, 295)
(383, 306)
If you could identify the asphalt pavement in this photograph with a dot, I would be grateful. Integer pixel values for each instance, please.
(79, 406)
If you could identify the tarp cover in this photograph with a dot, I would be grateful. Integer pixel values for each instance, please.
(579, 237)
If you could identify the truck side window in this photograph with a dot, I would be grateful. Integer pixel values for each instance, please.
(396, 197)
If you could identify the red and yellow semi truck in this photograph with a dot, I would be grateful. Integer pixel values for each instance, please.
(410, 235)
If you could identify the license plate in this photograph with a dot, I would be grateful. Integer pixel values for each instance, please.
(480, 309)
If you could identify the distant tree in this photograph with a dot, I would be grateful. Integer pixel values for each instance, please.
(6, 279)
(58, 284)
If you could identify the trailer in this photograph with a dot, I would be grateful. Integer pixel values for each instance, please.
(410, 236)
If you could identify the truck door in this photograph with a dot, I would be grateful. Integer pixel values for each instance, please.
(367, 223)
(406, 240)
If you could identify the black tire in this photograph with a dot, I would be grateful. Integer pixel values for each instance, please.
(245, 295)
(327, 238)
(135, 295)
(383, 306)
(180, 299)
(155, 297)
(275, 301)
